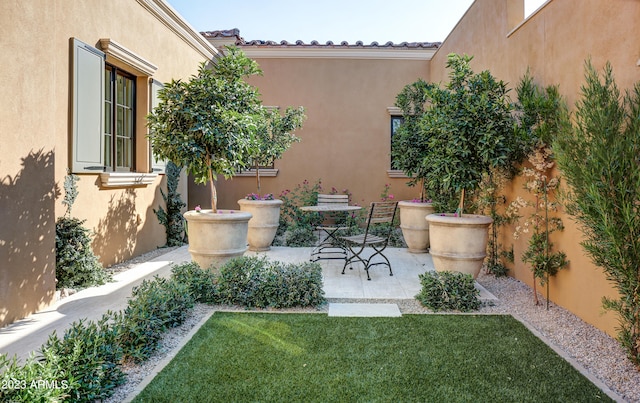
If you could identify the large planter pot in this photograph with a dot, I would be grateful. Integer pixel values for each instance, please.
(264, 223)
(459, 243)
(214, 238)
(415, 229)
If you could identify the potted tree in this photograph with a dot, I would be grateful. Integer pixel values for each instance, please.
(467, 130)
(273, 137)
(207, 124)
(407, 151)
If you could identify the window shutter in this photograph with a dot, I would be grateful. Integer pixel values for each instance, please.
(156, 166)
(88, 108)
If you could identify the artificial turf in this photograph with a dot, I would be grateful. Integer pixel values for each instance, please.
(269, 357)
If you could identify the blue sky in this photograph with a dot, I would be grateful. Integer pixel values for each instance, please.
(330, 20)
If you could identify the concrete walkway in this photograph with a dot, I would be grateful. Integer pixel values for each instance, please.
(342, 292)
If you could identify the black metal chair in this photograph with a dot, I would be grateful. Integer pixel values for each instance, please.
(379, 213)
(328, 246)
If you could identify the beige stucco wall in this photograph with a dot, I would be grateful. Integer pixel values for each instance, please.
(34, 128)
(346, 137)
(554, 44)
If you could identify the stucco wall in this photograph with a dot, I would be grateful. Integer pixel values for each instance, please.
(34, 126)
(346, 137)
(554, 44)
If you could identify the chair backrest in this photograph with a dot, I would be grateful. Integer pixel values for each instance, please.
(332, 200)
(382, 212)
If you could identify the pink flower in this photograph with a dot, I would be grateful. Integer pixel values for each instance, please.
(197, 208)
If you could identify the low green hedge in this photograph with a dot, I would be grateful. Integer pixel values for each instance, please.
(85, 365)
(257, 282)
(448, 290)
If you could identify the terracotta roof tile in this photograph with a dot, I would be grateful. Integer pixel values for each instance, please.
(240, 41)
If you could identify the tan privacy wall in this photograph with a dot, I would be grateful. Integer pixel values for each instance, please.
(346, 138)
(553, 44)
(35, 131)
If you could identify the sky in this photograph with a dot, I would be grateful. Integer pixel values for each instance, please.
(330, 20)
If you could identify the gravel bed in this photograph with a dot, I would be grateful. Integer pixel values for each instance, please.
(594, 350)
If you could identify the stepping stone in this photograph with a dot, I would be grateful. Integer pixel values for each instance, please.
(364, 310)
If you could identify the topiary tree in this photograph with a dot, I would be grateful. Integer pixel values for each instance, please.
(274, 136)
(458, 133)
(598, 156)
(208, 123)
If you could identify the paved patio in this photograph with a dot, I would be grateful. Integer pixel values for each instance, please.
(349, 294)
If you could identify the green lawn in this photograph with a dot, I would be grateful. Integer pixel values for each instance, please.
(267, 357)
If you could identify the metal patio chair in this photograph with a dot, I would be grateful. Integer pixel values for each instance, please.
(328, 245)
(379, 213)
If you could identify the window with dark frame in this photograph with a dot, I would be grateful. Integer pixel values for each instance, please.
(119, 120)
(396, 121)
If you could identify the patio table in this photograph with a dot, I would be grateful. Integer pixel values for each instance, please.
(330, 246)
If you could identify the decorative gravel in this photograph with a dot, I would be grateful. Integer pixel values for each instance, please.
(599, 354)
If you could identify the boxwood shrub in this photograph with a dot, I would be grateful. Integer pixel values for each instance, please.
(257, 282)
(448, 290)
(155, 306)
(202, 283)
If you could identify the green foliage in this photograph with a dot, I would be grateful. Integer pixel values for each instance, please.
(172, 218)
(488, 202)
(155, 306)
(304, 194)
(201, 283)
(598, 156)
(208, 123)
(299, 235)
(448, 291)
(89, 354)
(76, 264)
(459, 132)
(257, 282)
(274, 136)
(42, 379)
(541, 114)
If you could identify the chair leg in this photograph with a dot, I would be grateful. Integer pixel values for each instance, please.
(351, 257)
(386, 260)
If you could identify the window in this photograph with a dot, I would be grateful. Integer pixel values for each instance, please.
(108, 110)
(396, 121)
(119, 120)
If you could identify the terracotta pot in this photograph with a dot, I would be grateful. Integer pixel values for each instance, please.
(214, 238)
(264, 223)
(459, 243)
(415, 229)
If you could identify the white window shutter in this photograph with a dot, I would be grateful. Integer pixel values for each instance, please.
(88, 108)
(156, 165)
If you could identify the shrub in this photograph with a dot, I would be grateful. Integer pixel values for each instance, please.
(89, 354)
(24, 383)
(300, 235)
(256, 282)
(201, 283)
(448, 291)
(598, 156)
(155, 306)
(76, 264)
